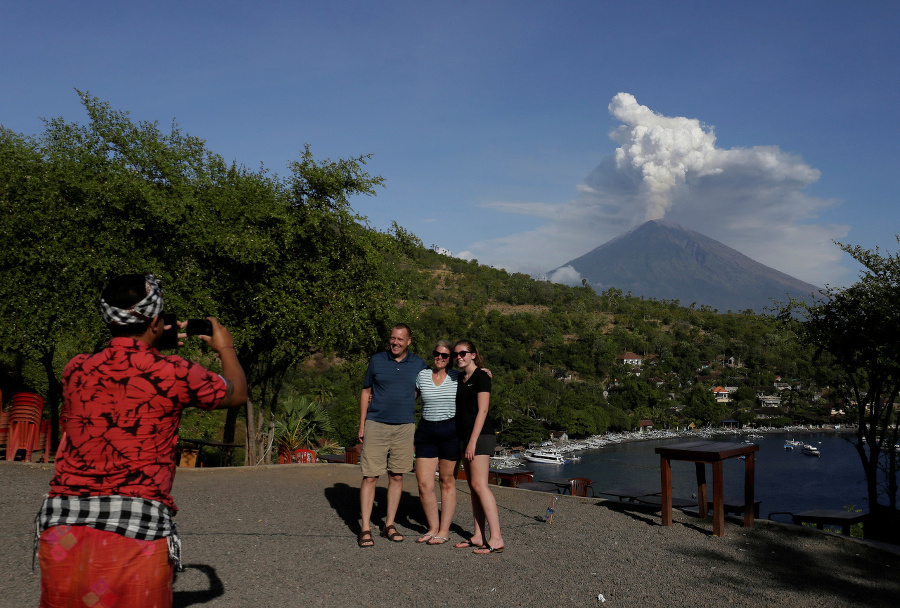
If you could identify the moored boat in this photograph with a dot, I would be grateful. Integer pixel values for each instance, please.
(544, 456)
(811, 450)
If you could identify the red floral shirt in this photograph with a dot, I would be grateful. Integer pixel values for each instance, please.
(123, 408)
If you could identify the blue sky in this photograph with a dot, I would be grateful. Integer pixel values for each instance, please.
(770, 126)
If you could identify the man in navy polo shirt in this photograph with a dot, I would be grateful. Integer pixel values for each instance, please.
(387, 413)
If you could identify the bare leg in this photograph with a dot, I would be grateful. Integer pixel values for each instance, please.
(367, 500)
(395, 490)
(448, 496)
(425, 470)
(480, 468)
(478, 534)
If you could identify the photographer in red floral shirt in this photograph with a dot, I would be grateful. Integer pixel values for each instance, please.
(106, 528)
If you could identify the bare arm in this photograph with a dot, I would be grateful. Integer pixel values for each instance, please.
(365, 397)
(222, 342)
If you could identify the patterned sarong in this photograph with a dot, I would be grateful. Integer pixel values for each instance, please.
(105, 551)
(83, 566)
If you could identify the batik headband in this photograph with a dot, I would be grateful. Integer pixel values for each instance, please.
(141, 312)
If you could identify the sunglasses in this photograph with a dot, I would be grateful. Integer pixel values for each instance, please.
(436, 354)
(462, 353)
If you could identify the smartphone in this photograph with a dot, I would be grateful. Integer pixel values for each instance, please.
(199, 327)
(169, 338)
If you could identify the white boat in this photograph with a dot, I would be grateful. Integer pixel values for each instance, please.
(506, 462)
(544, 456)
(811, 450)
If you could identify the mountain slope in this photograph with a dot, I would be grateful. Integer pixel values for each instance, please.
(665, 261)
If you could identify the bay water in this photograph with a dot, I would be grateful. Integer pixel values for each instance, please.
(786, 480)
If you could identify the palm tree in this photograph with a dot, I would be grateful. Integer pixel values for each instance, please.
(322, 391)
(300, 423)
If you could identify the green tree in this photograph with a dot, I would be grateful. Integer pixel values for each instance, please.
(284, 263)
(702, 406)
(522, 431)
(857, 329)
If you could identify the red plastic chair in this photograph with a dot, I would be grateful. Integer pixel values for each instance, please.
(304, 456)
(4, 428)
(43, 440)
(579, 486)
(25, 413)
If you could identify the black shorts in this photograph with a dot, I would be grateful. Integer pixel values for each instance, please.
(485, 445)
(437, 439)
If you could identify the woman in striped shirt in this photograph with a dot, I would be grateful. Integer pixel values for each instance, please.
(437, 445)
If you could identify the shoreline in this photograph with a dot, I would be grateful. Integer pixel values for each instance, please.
(656, 435)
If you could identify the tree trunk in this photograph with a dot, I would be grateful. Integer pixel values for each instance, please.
(250, 434)
(54, 395)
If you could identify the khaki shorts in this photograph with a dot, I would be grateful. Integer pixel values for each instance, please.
(387, 447)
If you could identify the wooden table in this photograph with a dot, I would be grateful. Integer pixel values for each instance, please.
(332, 457)
(224, 448)
(714, 453)
(826, 517)
(538, 486)
(630, 493)
(512, 477)
(562, 483)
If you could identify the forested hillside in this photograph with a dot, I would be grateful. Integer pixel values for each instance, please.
(553, 353)
(310, 290)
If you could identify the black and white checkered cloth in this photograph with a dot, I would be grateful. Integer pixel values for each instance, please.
(136, 518)
(141, 312)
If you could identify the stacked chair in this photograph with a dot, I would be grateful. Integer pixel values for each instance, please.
(4, 429)
(4, 424)
(25, 414)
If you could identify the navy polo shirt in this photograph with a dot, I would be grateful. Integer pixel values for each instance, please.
(393, 386)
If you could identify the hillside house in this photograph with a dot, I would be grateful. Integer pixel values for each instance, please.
(721, 394)
(768, 401)
(630, 359)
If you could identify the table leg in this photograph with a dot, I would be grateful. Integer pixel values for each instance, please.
(701, 488)
(718, 499)
(749, 489)
(665, 468)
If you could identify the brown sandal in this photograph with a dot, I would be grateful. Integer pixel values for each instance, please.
(390, 533)
(365, 539)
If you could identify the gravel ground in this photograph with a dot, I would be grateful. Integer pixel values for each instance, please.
(286, 535)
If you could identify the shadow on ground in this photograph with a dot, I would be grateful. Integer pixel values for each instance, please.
(183, 599)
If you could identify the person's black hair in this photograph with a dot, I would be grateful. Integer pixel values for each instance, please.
(124, 292)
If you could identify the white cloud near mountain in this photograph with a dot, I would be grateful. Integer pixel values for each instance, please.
(751, 199)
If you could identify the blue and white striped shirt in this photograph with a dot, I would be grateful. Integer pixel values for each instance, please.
(438, 402)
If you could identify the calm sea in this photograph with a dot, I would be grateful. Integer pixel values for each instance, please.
(785, 480)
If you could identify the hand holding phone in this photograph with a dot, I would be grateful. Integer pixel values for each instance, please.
(198, 327)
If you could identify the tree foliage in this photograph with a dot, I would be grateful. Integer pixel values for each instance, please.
(285, 263)
(857, 331)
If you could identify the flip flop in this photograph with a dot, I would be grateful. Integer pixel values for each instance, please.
(365, 539)
(392, 535)
(466, 544)
(441, 540)
(425, 538)
(488, 549)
